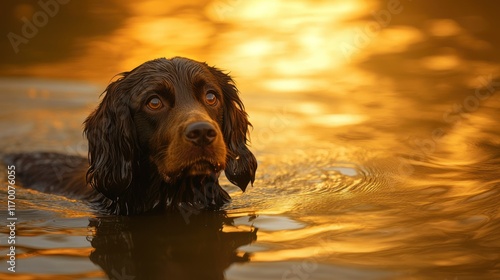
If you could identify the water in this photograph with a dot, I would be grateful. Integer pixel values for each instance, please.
(375, 128)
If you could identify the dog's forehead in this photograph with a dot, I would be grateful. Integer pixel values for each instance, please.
(178, 74)
(180, 78)
(178, 70)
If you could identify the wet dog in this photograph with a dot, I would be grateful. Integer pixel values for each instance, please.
(160, 138)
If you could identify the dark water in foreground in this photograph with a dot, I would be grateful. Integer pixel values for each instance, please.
(379, 151)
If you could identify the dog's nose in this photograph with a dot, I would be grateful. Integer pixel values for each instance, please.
(200, 133)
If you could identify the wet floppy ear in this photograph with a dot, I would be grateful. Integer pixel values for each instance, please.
(110, 133)
(240, 163)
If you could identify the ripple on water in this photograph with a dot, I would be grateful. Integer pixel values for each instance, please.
(325, 173)
(270, 223)
(304, 175)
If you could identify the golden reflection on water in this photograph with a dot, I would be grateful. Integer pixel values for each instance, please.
(275, 45)
(286, 48)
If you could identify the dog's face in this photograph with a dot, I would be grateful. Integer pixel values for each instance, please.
(178, 117)
(182, 117)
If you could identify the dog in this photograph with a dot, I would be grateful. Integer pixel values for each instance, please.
(158, 140)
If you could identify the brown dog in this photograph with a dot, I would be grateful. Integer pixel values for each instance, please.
(159, 139)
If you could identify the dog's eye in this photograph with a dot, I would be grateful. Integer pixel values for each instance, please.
(155, 103)
(211, 98)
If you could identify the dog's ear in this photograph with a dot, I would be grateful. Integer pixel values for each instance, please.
(240, 163)
(112, 142)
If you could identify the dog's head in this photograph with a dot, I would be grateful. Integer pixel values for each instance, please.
(179, 117)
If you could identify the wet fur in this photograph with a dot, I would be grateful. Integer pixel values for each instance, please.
(137, 161)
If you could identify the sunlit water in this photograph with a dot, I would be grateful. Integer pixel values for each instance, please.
(378, 148)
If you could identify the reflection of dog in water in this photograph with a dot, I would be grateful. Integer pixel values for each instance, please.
(166, 247)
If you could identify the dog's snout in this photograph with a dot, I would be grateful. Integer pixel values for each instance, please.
(200, 133)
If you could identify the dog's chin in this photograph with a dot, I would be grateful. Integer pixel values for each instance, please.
(196, 168)
(201, 168)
